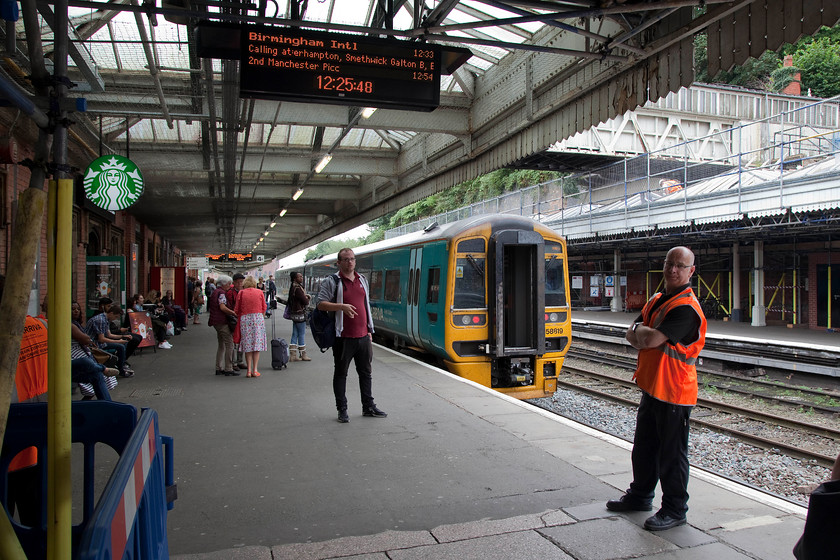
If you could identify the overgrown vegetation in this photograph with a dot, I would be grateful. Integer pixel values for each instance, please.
(463, 194)
(817, 58)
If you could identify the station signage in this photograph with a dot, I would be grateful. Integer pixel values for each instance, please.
(314, 66)
(229, 257)
(198, 262)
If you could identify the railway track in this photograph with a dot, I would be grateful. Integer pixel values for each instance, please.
(818, 400)
(717, 416)
(741, 351)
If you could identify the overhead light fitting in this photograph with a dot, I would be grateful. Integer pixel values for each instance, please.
(274, 221)
(323, 163)
(297, 194)
(261, 239)
(282, 212)
(367, 112)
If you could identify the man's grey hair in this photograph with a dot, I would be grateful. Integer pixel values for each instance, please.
(224, 280)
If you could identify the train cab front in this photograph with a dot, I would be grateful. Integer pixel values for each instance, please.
(526, 289)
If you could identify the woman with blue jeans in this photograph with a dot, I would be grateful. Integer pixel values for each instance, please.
(83, 367)
(298, 302)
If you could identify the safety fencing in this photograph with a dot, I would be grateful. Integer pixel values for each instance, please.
(786, 161)
(129, 520)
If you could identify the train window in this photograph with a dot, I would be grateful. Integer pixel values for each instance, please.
(392, 285)
(555, 286)
(469, 283)
(471, 246)
(433, 293)
(376, 284)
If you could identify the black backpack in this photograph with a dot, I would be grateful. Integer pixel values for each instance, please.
(322, 324)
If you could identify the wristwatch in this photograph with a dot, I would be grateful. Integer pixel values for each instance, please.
(635, 326)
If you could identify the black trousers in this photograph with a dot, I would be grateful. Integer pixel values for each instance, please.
(360, 351)
(660, 453)
(132, 344)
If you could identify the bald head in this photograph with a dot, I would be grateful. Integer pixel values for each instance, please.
(678, 268)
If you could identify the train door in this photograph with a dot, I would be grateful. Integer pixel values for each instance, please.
(413, 297)
(519, 285)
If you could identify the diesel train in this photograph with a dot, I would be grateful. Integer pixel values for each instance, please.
(486, 296)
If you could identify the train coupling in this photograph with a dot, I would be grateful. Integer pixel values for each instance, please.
(521, 374)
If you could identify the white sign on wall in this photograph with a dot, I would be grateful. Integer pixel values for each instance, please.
(198, 262)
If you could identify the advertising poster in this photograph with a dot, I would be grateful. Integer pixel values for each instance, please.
(141, 323)
(104, 277)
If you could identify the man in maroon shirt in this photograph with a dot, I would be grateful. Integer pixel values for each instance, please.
(349, 299)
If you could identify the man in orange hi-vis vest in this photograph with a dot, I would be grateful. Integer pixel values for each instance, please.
(669, 334)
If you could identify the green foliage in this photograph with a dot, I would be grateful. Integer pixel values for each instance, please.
(332, 247)
(487, 186)
(753, 74)
(782, 77)
(819, 61)
(816, 57)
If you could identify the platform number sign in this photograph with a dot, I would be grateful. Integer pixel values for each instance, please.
(113, 182)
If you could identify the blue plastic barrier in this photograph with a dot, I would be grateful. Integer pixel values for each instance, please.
(130, 520)
(116, 425)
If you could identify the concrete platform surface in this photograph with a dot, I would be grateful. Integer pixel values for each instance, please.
(264, 471)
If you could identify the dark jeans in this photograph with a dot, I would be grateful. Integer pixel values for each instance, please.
(88, 370)
(359, 350)
(119, 350)
(660, 453)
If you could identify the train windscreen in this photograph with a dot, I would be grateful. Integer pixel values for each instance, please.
(469, 283)
(555, 285)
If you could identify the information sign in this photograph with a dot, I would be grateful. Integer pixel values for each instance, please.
(198, 262)
(315, 66)
(230, 257)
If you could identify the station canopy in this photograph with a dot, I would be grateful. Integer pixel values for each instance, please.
(220, 169)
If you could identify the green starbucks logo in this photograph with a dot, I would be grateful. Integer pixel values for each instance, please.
(113, 182)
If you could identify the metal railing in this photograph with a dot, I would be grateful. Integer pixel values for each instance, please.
(670, 187)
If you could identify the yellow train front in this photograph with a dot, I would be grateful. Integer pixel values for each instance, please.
(487, 296)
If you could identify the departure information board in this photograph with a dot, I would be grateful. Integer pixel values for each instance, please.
(229, 257)
(313, 66)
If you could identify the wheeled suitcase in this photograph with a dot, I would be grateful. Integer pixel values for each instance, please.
(279, 349)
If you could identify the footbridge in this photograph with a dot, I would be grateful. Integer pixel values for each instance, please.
(706, 123)
(704, 160)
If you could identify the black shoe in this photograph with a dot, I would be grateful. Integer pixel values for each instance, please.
(231, 373)
(342, 416)
(661, 521)
(127, 373)
(628, 503)
(374, 412)
(220, 372)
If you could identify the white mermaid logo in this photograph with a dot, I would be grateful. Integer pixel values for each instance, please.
(113, 182)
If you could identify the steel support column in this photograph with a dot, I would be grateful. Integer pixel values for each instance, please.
(758, 319)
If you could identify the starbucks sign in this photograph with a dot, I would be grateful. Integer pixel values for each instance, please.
(113, 182)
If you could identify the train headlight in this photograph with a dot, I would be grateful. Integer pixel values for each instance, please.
(465, 320)
(554, 317)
